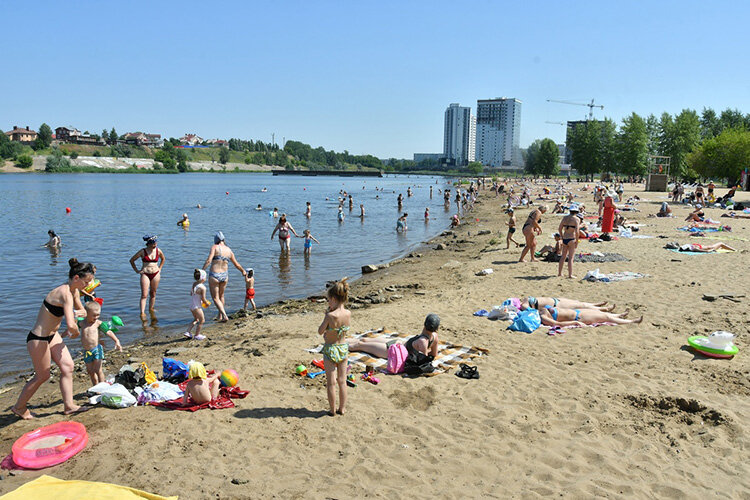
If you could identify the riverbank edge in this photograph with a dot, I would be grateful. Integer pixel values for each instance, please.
(282, 307)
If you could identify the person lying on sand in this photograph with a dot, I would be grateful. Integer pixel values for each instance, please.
(695, 247)
(558, 316)
(542, 302)
(696, 215)
(426, 342)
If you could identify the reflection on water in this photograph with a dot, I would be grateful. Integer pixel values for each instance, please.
(110, 213)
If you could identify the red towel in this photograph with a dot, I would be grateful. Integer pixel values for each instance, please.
(224, 400)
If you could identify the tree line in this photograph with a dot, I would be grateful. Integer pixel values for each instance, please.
(705, 145)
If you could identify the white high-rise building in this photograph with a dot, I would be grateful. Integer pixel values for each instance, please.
(498, 132)
(458, 136)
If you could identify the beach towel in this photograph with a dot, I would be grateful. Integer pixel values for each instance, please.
(596, 276)
(224, 400)
(554, 330)
(601, 257)
(51, 487)
(448, 357)
(722, 250)
(696, 229)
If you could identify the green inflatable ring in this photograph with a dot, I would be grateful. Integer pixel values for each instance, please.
(696, 342)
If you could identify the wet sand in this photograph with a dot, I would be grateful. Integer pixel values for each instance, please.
(626, 411)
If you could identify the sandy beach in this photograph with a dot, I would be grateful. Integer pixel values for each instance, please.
(617, 411)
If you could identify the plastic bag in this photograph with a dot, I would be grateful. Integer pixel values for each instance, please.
(116, 396)
(503, 313)
(526, 321)
(173, 370)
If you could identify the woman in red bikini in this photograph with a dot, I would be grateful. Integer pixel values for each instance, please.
(46, 345)
(153, 260)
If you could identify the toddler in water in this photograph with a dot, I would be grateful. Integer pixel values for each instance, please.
(309, 238)
(335, 349)
(200, 388)
(197, 303)
(249, 288)
(93, 352)
(341, 214)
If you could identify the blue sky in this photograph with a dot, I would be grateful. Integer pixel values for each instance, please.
(368, 77)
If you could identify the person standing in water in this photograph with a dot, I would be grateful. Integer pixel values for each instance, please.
(219, 258)
(308, 210)
(54, 240)
(150, 272)
(283, 227)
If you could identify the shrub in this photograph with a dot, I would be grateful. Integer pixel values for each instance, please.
(24, 161)
(74, 155)
(56, 162)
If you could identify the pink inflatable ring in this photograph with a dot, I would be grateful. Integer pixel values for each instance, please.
(49, 445)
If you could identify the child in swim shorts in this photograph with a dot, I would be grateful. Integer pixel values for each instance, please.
(197, 302)
(93, 351)
(335, 349)
(249, 288)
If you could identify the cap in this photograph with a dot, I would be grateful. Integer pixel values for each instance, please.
(432, 322)
(574, 207)
(202, 274)
(219, 236)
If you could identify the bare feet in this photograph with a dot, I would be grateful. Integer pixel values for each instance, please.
(572, 277)
(625, 313)
(25, 415)
(340, 411)
(331, 413)
(639, 320)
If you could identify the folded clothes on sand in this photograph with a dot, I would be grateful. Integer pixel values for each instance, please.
(449, 355)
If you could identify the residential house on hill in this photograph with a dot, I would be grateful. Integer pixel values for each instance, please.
(141, 139)
(191, 139)
(67, 134)
(21, 134)
(217, 142)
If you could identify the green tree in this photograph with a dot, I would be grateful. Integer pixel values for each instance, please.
(548, 159)
(56, 162)
(223, 155)
(723, 156)
(732, 118)
(632, 146)
(585, 143)
(113, 136)
(531, 163)
(652, 130)
(687, 134)
(710, 124)
(44, 137)
(475, 168)
(24, 161)
(607, 146)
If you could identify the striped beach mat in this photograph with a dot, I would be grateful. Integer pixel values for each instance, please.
(449, 355)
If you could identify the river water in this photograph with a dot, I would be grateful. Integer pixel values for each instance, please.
(109, 213)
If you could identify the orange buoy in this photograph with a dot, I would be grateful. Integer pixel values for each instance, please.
(67, 210)
(227, 192)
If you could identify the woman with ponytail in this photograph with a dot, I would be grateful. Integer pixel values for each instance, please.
(45, 344)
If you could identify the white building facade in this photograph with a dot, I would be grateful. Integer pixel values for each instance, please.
(459, 134)
(498, 132)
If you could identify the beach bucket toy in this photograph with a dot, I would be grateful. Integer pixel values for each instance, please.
(301, 370)
(717, 345)
(229, 378)
(50, 445)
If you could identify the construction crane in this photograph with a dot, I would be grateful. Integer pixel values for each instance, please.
(590, 105)
(555, 123)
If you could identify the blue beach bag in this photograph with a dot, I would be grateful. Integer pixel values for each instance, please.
(526, 321)
(173, 369)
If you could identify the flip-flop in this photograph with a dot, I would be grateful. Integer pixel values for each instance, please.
(81, 409)
(467, 371)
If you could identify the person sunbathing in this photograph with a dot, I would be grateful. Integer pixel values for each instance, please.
(542, 302)
(426, 342)
(665, 210)
(736, 215)
(696, 247)
(696, 215)
(558, 316)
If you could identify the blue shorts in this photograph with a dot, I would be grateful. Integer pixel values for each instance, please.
(94, 354)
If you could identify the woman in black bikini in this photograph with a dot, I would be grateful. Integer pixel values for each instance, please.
(569, 230)
(530, 231)
(45, 344)
(150, 273)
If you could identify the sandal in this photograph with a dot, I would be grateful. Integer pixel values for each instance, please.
(468, 372)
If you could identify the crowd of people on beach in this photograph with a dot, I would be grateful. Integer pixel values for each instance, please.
(75, 303)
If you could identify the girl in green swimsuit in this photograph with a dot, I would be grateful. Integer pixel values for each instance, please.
(335, 349)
